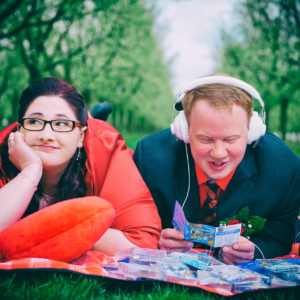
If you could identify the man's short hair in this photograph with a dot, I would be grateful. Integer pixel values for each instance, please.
(219, 95)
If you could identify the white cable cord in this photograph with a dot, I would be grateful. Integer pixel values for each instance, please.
(259, 251)
(188, 164)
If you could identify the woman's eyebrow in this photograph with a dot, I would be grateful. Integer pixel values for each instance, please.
(40, 114)
(61, 115)
(36, 113)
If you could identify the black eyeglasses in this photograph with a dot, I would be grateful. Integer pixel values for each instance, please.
(34, 124)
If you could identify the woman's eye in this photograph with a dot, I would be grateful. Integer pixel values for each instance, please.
(61, 123)
(35, 121)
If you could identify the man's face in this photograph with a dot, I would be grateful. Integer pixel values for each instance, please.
(218, 138)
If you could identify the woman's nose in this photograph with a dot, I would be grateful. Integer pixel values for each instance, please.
(47, 133)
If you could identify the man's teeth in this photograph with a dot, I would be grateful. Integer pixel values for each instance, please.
(218, 164)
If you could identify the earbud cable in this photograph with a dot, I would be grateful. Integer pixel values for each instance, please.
(188, 165)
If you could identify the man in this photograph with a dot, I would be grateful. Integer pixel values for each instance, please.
(264, 175)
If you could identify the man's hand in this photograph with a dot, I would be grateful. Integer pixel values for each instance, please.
(171, 240)
(240, 252)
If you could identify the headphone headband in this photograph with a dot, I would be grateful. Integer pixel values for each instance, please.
(219, 79)
(257, 124)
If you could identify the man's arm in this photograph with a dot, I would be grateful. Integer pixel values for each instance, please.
(277, 237)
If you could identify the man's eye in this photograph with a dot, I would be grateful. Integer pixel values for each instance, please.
(231, 140)
(205, 140)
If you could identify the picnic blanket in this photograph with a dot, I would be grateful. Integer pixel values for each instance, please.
(89, 264)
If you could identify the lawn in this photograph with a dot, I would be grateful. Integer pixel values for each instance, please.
(131, 139)
(53, 285)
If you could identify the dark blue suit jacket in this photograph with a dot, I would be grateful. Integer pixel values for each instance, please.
(267, 181)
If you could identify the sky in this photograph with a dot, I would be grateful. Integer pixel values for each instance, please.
(191, 35)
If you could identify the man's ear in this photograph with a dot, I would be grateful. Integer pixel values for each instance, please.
(82, 135)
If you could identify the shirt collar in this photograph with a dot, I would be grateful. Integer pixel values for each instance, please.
(202, 178)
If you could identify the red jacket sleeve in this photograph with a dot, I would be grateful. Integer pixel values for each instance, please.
(117, 180)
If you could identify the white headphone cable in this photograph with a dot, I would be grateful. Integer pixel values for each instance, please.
(188, 165)
(259, 250)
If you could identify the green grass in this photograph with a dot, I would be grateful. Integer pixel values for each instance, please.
(295, 147)
(60, 285)
(131, 139)
(49, 285)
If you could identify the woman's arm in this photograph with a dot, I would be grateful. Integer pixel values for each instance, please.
(119, 182)
(15, 196)
(112, 241)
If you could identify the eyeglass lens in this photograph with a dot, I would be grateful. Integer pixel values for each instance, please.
(57, 125)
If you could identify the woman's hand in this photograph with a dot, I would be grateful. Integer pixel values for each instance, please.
(20, 154)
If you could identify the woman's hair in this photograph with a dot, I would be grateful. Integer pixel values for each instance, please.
(219, 95)
(71, 183)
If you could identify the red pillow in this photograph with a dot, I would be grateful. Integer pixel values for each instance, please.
(62, 231)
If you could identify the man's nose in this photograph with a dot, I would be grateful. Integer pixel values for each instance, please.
(219, 150)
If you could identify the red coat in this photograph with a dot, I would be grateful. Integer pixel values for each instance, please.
(113, 176)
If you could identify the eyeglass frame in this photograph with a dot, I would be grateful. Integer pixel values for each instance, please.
(75, 124)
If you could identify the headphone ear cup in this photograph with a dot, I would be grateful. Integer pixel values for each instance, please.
(180, 128)
(257, 128)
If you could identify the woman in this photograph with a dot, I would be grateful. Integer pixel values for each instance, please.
(55, 153)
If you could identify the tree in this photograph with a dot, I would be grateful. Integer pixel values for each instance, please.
(105, 48)
(263, 56)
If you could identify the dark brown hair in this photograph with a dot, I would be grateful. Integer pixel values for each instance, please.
(71, 183)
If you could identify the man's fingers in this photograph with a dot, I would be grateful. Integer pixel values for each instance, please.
(244, 246)
(226, 260)
(172, 240)
(172, 234)
(170, 250)
(243, 255)
(234, 260)
(171, 243)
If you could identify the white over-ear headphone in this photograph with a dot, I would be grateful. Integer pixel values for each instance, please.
(257, 127)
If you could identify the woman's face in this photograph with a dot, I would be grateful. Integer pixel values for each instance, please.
(54, 148)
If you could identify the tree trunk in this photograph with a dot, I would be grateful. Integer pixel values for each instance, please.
(14, 107)
(121, 118)
(87, 96)
(67, 66)
(283, 116)
(34, 74)
(267, 112)
(129, 121)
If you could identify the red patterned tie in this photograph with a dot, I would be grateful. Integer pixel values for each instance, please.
(209, 208)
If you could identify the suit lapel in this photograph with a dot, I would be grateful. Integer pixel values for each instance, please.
(192, 206)
(238, 188)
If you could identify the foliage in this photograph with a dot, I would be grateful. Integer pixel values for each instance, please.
(106, 49)
(250, 224)
(264, 51)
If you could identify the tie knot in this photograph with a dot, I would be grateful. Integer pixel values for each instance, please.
(212, 186)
